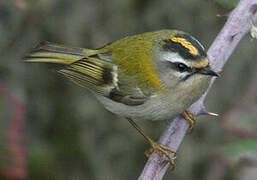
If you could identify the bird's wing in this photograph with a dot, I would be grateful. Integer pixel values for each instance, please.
(90, 69)
(102, 77)
(97, 75)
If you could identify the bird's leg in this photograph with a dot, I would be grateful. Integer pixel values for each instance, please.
(162, 150)
(190, 117)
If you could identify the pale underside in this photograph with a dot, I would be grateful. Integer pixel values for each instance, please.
(162, 106)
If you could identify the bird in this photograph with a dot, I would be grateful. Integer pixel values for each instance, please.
(154, 76)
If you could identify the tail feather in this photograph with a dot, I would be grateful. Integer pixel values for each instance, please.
(78, 65)
(47, 52)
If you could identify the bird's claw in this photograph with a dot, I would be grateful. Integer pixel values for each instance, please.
(163, 151)
(190, 117)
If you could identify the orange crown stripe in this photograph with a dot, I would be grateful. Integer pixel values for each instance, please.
(186, 44)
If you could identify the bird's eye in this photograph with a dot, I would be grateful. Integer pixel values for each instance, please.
(181, 67)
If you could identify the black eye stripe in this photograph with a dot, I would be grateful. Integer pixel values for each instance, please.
(180, 67)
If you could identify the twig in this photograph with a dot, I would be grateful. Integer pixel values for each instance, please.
(237, 25)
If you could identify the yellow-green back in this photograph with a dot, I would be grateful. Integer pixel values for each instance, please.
(134, 57)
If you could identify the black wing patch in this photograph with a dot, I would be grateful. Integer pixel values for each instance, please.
(95, 74)
(102, 77)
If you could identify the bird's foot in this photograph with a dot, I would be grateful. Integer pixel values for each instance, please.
(190, 117)
(163, 151)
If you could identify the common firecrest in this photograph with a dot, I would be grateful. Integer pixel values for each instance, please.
(151, 76)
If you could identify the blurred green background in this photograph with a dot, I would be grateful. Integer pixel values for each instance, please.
(68, 134)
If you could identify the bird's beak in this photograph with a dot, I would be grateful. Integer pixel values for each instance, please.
(208, 71)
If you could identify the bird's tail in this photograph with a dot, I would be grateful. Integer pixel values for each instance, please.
(47, 52)
(77, 64)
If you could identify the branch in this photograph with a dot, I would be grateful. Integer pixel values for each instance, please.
(237, 25)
